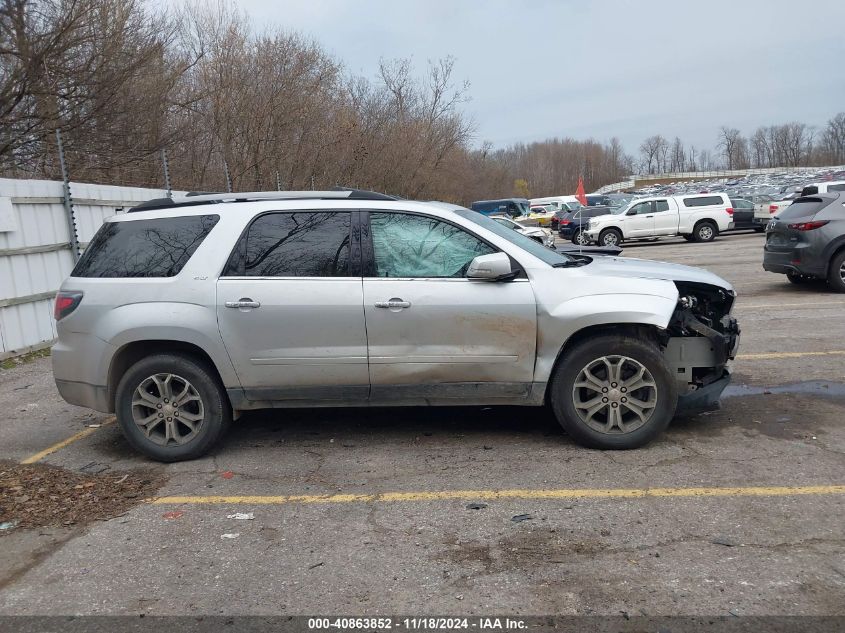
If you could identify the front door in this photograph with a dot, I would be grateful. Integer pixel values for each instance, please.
(639, 220)
(290, 309)
(433, 334)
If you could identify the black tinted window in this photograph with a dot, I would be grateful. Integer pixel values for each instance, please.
(704, 201)
(836, 187)
(297, 244)
(803, 208)
(144, 248)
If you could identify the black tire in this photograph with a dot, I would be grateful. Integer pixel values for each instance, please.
(759, 229)
(579, 357)
(836, 272)
(705, 231)
(614, 235)
(575, 237)
(216, 413)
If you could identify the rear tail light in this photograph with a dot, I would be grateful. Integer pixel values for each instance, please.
(66, 302)
(730, 210)
(808, 226)
(773, 208)
(564, 222)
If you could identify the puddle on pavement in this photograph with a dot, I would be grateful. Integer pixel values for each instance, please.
(810, 387)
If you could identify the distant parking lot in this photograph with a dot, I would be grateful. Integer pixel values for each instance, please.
(466, 511)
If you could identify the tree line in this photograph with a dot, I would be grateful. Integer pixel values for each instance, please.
(229, 105)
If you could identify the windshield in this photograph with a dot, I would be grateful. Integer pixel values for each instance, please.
(525, 243)
(620, 209)
(524, 208)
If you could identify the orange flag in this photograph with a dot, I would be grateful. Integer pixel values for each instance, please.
(579, 193)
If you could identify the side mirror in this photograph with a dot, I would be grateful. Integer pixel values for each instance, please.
(631, 212)
(495, 266)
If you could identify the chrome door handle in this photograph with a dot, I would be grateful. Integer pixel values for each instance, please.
(393, 304)
(245, 302)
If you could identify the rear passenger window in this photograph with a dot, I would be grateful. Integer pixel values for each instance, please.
(144, 248)
(662, 205)
(836, 188)
(704, 201)
(299, 244)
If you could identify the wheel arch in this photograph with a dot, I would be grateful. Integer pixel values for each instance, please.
(639, 331)
(131, 353)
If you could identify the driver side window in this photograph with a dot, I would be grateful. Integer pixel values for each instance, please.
(406, 245)
(641, 209)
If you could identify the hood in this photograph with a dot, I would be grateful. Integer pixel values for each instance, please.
(647, 269)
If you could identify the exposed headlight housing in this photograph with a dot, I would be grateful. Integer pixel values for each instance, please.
(688, 301)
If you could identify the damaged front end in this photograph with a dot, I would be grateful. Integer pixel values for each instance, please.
(700, 341)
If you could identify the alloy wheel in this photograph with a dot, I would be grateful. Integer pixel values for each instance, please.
(614, 394)
(705, 232)
(168, 409)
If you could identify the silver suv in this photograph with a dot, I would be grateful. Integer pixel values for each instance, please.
(184, 313)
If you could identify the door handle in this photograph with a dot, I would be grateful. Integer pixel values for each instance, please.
(244, 302)
(649, 216)
(393, 304)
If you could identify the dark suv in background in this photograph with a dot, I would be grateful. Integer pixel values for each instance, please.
(572, 223)
(807, 240)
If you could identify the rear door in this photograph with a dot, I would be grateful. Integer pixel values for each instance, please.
(665, 217)
(434, 334)
(290, 308)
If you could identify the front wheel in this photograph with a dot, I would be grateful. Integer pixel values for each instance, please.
(613, 392)
(171, 407)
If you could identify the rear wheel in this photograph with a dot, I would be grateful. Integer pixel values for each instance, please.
(613, 392)
(171, 407)
(610, 237)
(705, 232)
(580, 239)
(836, 272)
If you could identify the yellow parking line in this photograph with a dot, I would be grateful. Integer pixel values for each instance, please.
(837, 352)
(55, 447)
(488, 495)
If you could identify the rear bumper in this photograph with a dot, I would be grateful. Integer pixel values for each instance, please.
(84, 395)
(796, 260)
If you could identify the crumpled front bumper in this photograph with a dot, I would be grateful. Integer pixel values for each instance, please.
(705, 398)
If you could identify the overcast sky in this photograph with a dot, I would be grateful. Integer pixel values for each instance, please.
(600, 68)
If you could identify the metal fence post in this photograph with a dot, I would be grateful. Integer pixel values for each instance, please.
(278, 181)
(228, 177)
(67, 201)
(167, 184)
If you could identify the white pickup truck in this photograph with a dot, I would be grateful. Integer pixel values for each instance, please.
(696, 217)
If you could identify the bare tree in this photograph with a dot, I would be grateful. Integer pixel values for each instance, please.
(651, 150)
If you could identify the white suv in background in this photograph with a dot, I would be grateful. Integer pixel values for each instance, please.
(696, 217)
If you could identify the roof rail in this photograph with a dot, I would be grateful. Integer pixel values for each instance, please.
(338, 193)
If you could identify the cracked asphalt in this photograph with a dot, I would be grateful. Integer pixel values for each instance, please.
(782, 424)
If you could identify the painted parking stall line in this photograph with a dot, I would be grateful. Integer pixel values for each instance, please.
(493, 495)
(37, 457)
